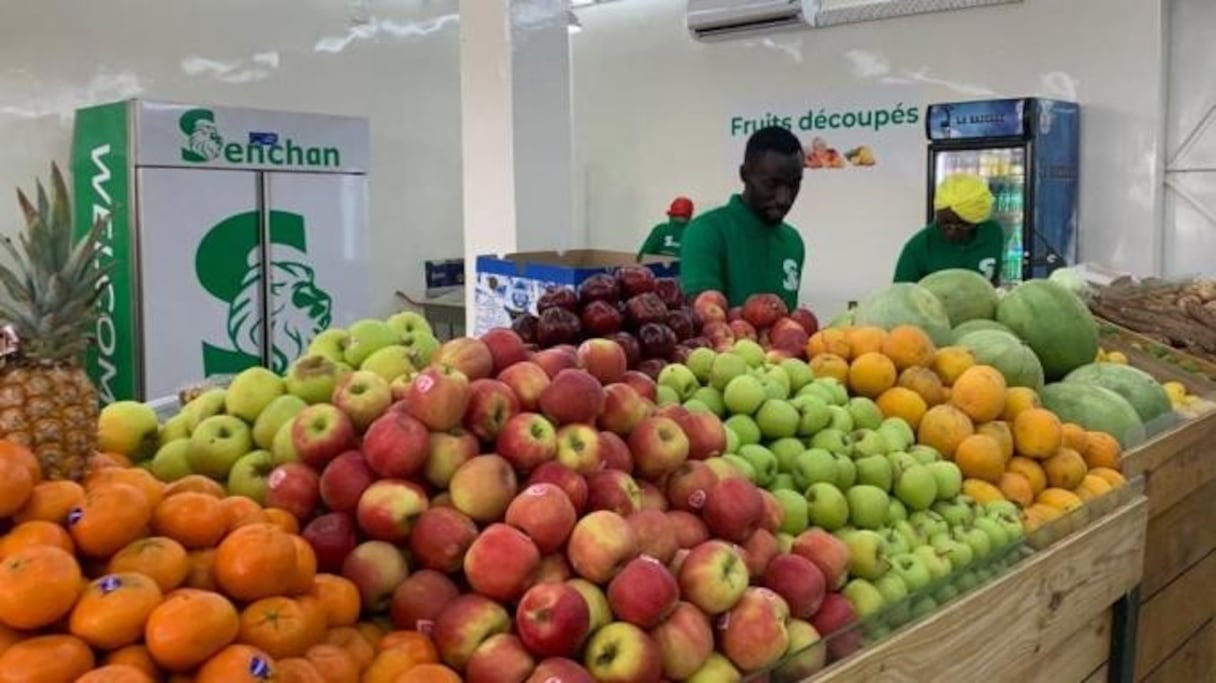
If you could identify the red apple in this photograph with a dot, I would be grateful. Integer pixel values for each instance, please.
(527, 380)
(733, 509)
(558, 326)
(690, 529)
(651, 367)
(635, 280)
(471, 357)
(763, 310)
(483, 488)
(294, 487)
(743, 330)
(689, 484)
(613, 490)
(553, 619)
(791, 340)
(720, 335)
(659, 447)
(711, 297)
(601, 319)
(554, 360)
(631, 347)
(419, 599)
(572, 396)
(614, 453)
(527, 441)
(396, 445)
(363, 396)
(438, 397)
(603, 359)
(706, 435)
(656, 534)
(643, 384)
(320, 432)
(464, 624)
(643, 593)
(557, 297)
(807, 319)
(622, 653)
(344, 480)
(332, 537)
(446, 452)
(570, 482)
(578, 447)
(653, 497)
(685, 640)
(559, 670)
(500, 659)
(598, 287)
(713, 576)
(799, 581)
(658, 341)
(825, 551)
(836, 621)
(500, 563)
(624, 408)
(440, 538)
(506, 348)
(674, 411)
(376, 568)
(543, 512)
(644, 309)
(734, 313)
(388, 509)
(774, 513)
(759, 551)
(552, 569)
(491, 404)
(601, 543)
(754, 635)
(683, 322)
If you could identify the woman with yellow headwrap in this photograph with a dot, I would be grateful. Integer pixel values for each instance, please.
(962, 235)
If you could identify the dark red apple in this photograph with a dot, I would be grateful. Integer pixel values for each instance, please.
(635, 280)
(763, 310)
(682, 323)
(557, 297)
(806, 319)
(633, 350)
(651, 367)
(598, 287)
(525, 327)
(558, 326)
(669, 291)
(332, 537)
(646, 308)
(657, 340)
(601, 318)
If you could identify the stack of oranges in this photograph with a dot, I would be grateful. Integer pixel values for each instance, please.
(124, 579)
(1006, 444)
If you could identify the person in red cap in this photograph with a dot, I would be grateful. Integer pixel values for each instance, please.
(664, 239)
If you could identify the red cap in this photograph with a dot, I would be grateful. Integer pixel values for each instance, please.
(681, 207)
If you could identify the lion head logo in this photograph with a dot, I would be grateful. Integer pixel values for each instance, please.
(203, 139)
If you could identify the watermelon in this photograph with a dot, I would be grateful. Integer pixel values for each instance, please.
(1137, 386)
(904, 303)
(965, 294)
(1053, 322)
(1008, 354)
(975, 326)
(1095, 408)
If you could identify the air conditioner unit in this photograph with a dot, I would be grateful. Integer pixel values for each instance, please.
(721, 19)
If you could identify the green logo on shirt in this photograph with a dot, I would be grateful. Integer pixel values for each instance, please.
(790, 266)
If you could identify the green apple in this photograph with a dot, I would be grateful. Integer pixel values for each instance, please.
(894, 542)
(762, 461)
(842, 419)
(313, 378)
(813, 414)
(837, 394)
(366, 337)
(867, 556)
(799, 373)
(712, 398)
(787, 451)
(1011, 523)
(899, 432)
(743, 466)
(966, 582)
(390, 362)
(901, 461)
(896, 511)
(945, 594)
(283, 447)
(330, 344)
(864, 596)
(978, 539)
(130, 428)
(680, 379)
(834, 440)
(251, 391)
(923, 606)
(925, 454)
(692, 405)
(751, 352)
(914, 536)
(936, 562)
(744, 395)
(217, 443)
(206, 404)
(916, 487)
(722, 468)
(912, 570)
(958, 553)
(172, 461)
(865, 412)
(997, 536)
(867, 442)
(666, 396)
(745, 428)
(956, 514)
(275, 415)
(716, 669)
(701, 362)
(948, 477)
(795, 516)
(776, 384)
(874, 470)
(867, 506)
(846, 472)
(248, 476)
(894, 594)
(784, 482)
(777, 419)
(176, 427)
(726, 366)
(732, 440)
(1000, 507)
(422, 345)
(814, 466)
(409, 322)
(827, 506)
(928, 522)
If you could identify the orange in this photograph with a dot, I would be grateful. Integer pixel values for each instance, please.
(830, 365)
(196, 520)
(161, 559)
(1031, 470)
(277, 625)
(252, 561)
(416, 643)
(356, 646)
(314, 615)
(1060, 499)
(237, 664)
(200, 570)
(36, 532)
(113, 610)
(1103, 450)
(115, 673)
(195, 483)
(141, 479)
(944, 427)
(239, 511)
(983, 492)
(951, 361)
(830, 341)
(38, 585)
(16, 486)
(46, 659)
(51, 501)
(871, 374)
(1018, 399)
(1110, 476)
(1000, 431)
(333, 663)
(189, 627)
(283, 519)
(338, 597)
(305, 568)
(111, 516)
(979, 457)
(1037, 433)
(390, 664)
(12, 451)
(372, 632)
(1016, 488)
(8, 637)
(1039, 514)
(1075, 437)
(136, 657)
(298, 670)
(1065, 469)
(429, 673)
(1092, 486)
(925, 383)
(908, 346)
(979, 392)
(904, 404)
(865, 339)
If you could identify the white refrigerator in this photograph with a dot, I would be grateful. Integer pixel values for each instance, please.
(234, 237)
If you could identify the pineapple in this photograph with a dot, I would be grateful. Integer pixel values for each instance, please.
(48, 287)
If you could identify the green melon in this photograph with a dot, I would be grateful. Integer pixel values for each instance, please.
(965, 294)
(1005, 352)
(1054, 322)
(975, 326)
(1095, 408)
(904, 303)
(1137, 386)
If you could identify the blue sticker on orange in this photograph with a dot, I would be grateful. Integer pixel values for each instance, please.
(108, 584)
(259, 668)
(74, 515)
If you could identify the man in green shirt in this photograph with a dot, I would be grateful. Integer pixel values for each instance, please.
(745, 247)
(962, 235)
(664, 239)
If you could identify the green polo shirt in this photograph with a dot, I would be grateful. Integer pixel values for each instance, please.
(928, 252)
(664, 239)
(731, 250)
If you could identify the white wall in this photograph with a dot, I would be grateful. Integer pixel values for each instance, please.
(394, 61)
(651, 108)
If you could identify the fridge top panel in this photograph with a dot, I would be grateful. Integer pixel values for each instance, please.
(978, 120)
(203, 136)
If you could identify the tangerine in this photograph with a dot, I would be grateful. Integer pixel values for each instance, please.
(36, 532)
(38, 585)
(113, 610)
(189, 627)
(46, 659)
(51, 501)
(237, 664)
(196, 520)
(277, 625)
(159, 558)
(250, 562)
(338, 597)
(111, 516)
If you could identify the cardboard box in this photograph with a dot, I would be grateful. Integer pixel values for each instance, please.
(508, 286)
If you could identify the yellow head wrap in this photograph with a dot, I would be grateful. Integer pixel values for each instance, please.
(966, 195)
